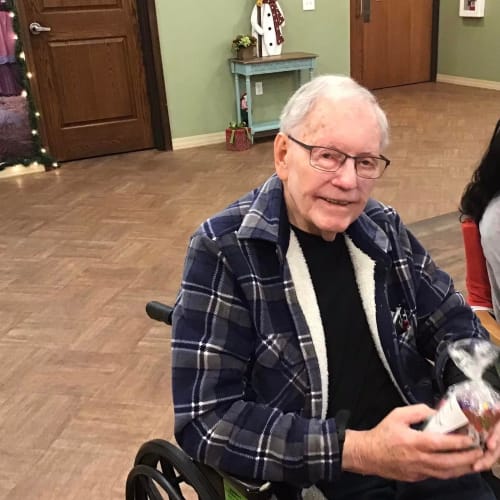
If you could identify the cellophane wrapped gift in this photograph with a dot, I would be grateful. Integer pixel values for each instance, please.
(472, 406)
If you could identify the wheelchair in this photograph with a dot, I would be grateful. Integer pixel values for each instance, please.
(161, 466)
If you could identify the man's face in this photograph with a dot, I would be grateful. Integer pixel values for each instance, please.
(326, 203)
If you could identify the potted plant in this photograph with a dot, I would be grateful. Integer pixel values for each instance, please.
(245, 46)
(238, 136)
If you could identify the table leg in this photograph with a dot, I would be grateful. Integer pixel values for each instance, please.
(249, 101)
(238, 97)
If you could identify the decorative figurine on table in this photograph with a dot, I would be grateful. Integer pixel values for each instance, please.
(244, 108)
(267, 19)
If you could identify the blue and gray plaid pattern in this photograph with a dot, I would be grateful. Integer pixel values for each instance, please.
(246, 381)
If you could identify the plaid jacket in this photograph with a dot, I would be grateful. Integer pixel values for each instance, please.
(248, 366)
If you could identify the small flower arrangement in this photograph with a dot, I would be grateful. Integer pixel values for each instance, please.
(238, 136)
(243, 41)
(236, 125)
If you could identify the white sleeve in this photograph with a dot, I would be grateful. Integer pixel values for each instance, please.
(489, 228)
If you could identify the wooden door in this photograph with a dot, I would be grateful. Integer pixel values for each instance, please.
(391, 42)
(89, 76)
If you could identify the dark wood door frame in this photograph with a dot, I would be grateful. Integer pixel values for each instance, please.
(356, 45)
(434, 39)
(155, 82)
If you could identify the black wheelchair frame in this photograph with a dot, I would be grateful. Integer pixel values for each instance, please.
(161, 465)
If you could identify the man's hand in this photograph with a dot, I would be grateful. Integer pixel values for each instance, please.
(394, 450)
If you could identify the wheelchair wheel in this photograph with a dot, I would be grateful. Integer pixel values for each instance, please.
(162, 465)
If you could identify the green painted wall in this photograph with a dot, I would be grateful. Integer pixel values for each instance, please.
(195, 40)
(469, 47)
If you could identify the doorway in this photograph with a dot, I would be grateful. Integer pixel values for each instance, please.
(97, 75)
(393, 42)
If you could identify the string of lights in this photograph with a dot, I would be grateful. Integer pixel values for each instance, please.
(40, 154)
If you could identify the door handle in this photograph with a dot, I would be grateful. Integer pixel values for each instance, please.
(37, 28)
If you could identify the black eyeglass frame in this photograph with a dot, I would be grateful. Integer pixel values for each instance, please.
(309, 148)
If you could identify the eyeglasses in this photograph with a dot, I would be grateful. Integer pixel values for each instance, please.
(331, 159)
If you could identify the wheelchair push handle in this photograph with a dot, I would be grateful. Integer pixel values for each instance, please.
(159, 312)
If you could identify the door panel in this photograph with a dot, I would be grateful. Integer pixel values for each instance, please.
(90, 76)
(54, 4)
(393, 44)
(105, 100)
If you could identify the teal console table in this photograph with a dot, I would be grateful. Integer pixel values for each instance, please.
(293, 61)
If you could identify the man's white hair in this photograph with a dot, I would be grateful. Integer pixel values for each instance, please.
(337, 88)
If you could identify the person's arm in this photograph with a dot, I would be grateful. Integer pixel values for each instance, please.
(490, 242)
(214, 344)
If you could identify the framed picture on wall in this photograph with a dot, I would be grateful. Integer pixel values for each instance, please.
(471, 8)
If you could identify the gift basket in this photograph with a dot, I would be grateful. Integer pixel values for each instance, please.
(471, 406)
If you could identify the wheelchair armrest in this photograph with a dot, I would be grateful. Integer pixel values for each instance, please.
(490, 324)
(159, 312)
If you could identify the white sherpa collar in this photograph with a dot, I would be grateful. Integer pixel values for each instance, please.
(364, 269)
(309, 305)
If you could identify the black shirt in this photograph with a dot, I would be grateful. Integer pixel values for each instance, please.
(357, 378)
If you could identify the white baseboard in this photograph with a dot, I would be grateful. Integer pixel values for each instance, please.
(468, 82)
(198, 140)
(16, 170)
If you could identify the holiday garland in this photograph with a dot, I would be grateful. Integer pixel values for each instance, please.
(40, 153)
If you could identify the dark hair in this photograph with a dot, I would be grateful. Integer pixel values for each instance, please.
(485, 181)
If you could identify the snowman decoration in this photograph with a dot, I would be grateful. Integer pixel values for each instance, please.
(267, 19)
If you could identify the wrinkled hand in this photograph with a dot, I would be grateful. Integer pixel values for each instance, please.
(394, 450)
(492, 451)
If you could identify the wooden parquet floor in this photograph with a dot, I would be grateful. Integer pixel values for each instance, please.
(85, 375)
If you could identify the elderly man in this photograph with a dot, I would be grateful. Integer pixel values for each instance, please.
(307, 301)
